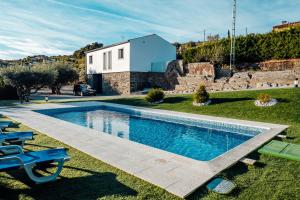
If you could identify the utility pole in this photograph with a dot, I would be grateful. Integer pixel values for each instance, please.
(232, 45)
(204, 36)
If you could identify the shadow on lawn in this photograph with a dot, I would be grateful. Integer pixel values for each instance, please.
(228, 100)
(175, 99)
(93, 186)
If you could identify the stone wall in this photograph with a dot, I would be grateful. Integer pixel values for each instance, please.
(124, 83)
(203, 69)
(241, 81)
(141, 80)
(279, 65)
(116, 83)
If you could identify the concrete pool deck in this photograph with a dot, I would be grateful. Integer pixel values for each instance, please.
(177, 174)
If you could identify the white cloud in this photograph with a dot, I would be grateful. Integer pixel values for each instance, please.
(62, 26)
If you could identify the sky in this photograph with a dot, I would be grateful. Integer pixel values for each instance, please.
(59, 27)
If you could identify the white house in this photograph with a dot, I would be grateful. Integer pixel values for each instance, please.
(128, 66)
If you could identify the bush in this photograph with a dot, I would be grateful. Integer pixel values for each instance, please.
(264, 98)
(201, 95)
(155, 95)
(8, 92)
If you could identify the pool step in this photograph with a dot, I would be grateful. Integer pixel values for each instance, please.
(282, 136)
(248, 161)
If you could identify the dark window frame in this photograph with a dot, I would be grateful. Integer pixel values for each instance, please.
(91, 59)
(121, 53)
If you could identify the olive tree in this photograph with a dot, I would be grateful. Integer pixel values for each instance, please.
(28, 80)
(65, 75)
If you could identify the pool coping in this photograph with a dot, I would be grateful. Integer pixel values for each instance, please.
(175, 173)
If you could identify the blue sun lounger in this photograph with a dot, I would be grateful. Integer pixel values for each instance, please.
(28, 160)
(5, 124)
(15, 137)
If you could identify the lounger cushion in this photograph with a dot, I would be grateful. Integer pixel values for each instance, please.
(34, 157)
(282, 150)
(16, 135)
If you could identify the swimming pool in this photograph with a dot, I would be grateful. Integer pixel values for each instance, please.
(197, 139)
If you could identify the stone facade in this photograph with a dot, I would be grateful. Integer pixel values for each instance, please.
(141, 80)
(124, 83)
(116, 83)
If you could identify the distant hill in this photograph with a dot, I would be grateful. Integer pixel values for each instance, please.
(77, 59)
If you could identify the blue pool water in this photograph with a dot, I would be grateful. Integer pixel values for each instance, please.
(194, 139)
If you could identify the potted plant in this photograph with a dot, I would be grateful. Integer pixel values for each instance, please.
(264, 100)
(155, 95)
(201, 97)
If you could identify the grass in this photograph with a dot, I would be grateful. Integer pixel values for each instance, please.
(83, 177)
(7, 102)
(87, 178)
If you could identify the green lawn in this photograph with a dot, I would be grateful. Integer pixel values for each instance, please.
(88, 178)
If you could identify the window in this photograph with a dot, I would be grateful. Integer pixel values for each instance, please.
(120, 53)
(109, 60)
(104, 61)
(90, 59)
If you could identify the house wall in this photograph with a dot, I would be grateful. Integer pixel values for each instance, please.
(150, 49)
(118, 65)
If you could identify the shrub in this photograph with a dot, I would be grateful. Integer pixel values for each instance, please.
(201, 95)
(155, 95)
(264, 98)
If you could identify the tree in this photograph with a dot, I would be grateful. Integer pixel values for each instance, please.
(65, 74)
(218, 54)
(79, 57)
(28, 80)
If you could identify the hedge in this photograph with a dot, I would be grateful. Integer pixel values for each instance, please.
(250, 48)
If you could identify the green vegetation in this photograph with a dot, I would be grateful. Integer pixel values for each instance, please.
(271, 178)
(7, 91)
(264, 98)
(155, 95)
(87, 178)
(83, 177)
(79, 59)
(250, 48)
(65, 75)
(201, 95)
(27, 79)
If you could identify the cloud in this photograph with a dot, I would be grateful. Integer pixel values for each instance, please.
(55, 27)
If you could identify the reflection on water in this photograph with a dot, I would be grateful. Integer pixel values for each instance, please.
(190, 141)
(113, 123)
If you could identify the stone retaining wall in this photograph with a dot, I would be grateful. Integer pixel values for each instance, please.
(241, 81)
(280, 65)
(203, 69)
